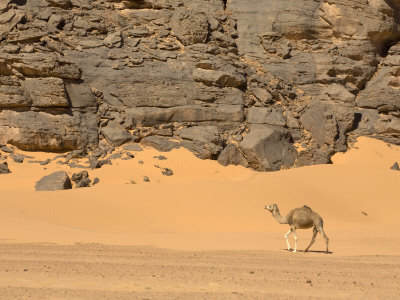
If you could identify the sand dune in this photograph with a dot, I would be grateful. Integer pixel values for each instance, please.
(203, 206)
(207, 206)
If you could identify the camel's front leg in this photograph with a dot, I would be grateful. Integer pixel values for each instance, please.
(295, 239)
(287, 240)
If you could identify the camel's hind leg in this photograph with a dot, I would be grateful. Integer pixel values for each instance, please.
(321, 231)
(293, 229)
(315, 231)
(287, 240)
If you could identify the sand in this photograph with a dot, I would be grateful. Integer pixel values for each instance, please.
(207, 227)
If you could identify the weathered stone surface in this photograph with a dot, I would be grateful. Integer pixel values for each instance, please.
(61, 3)
(382, 92)
(12, 94)
(189, 27)
(40, 131)
(46, 92)
(262, 115)
(160, 143)
(231, 155)
(54, 182)
(148, 116)
(328, 123)
(116, 134)
(204, 141)
(220, 78)
(267, 149)
(80, 95)
(39, 65)
(132, 147)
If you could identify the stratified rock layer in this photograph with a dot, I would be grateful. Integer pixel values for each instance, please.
(242, 83)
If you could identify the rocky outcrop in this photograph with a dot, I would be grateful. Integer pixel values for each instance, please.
(238, 82)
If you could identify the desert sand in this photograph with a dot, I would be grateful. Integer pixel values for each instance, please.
(202, 233)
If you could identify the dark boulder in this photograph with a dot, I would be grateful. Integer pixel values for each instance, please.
(4, 168)
(54, 182)
(395, 167)
(231, 155)
(268, 149)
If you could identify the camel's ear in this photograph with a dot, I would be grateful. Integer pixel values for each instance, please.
(275, 206)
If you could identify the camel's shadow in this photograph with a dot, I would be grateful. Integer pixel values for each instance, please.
(310, 251)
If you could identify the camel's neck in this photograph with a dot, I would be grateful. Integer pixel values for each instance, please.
(278, 217)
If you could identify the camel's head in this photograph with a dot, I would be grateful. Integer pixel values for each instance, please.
(271, 207)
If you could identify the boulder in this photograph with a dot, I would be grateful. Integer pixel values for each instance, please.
(115, 134)
(204, 141)
(267, 149)
(4, 168)
(167, 172)
(18, 158)
(54, 182)
(231, 155)
(395, 167)
(79, 176)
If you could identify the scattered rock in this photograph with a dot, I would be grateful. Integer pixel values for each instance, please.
(115, 156)
(18, 158)
(54, 182)
(6, 149)
(132, 147)
(84, 182)
(79, 176)
(95, 181)
(4, 168)
(395, 167)
(146, 179)
(167, 172)
(45, 162)
(160, 157)
(94, 163)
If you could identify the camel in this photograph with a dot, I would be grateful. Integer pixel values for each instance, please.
(300, 218)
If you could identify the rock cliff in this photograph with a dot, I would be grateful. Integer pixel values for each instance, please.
(268, 84)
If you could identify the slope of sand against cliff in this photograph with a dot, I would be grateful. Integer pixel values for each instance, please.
(207, 206)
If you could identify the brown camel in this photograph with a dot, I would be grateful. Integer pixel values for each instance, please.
(300, 218)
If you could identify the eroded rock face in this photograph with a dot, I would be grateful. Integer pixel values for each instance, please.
(201, 74)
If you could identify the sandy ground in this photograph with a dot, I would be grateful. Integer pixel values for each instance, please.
(203, 232)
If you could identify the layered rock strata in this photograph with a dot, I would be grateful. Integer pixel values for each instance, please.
(269, 85)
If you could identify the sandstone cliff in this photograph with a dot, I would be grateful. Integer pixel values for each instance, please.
(262, 83)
